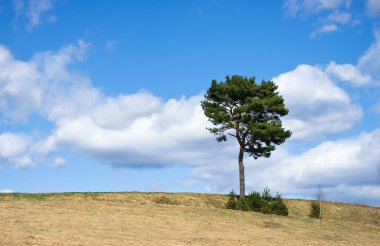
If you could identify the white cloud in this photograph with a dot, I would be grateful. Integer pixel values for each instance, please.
(297, 7)
(137, 129)
(338, 14)
(6, 191)
(324, 29)
(317, 107)
(26, 86)
(334, 22)
(369, 63)
(339, 17)
(373, 7)
(14, 150)
(348, 73)
(20, 89)
(34, 11)
(348, 169)
(134, 129)
(365, 72)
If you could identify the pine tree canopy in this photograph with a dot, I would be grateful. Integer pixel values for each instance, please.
(248, 111)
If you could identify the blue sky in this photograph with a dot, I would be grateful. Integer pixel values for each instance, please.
(106, 97)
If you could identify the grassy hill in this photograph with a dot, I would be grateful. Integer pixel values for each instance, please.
(175, 219)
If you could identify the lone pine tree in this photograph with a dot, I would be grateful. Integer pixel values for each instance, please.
(249, 112)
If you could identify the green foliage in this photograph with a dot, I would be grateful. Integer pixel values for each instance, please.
(315, 209)
(243, 204)
(250, 111)
(263, 203)
(232, 201)
(255, 201)
(266, 194)
(30, 196)
(278, 207)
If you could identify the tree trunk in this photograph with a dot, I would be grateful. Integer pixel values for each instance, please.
(241, 173)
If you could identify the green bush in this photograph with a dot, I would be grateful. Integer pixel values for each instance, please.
(279, 208)
(266, 194)
(257, 202)
(243, 204)
(232, 201)
(315, 209)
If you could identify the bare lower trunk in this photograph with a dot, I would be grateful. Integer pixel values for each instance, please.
(241, 173)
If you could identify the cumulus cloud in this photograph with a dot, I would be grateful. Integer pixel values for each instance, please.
(348, 169)
(365, 72)
(14, 150)
(26, 86)
(20, 88)
(313, 111)
(137, 129)
(133, 129)
(348, 73)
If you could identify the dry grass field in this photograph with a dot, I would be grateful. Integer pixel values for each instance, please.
(175, 219)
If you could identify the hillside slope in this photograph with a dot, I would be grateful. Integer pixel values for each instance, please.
(175, 219)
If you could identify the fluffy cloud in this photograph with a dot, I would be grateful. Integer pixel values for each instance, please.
(348, 73)
(20, 88)
(140, 128)
(365, 72)
(313, 111)
(14, 150)
(134, 129)
(348, 169)
(137, 129)
(26, 87)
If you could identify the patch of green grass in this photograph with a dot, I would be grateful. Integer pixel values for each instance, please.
(29, 196)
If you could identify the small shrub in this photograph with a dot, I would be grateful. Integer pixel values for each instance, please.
(266, 194)
(315, 209)
(279, 208)
(255, 201)
(232, 201)
(243, 204)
